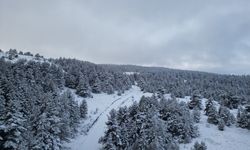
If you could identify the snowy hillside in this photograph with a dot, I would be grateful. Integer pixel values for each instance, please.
(14, 56)
(73, 104)
(98, 108)
(232, 138)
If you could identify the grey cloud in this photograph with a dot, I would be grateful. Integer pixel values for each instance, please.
(197, 35)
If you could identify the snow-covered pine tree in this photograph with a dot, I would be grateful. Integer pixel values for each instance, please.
(209, 105)
(83, 109)
(65, 115)
(111, 139)
(213, 115)
(221, 124)
(195, 101)
(12, 54)
(243, 118)
(160, 138)
(226, 100)
(106, 83)
(83, 88)
(96, 88)
(74, 113)
(199, 146)
(178, 119)
(225, 114)
(53, 115)
(12, 121)
(47, 124)
(2, 102)
(196, 115)
(123, 122)
(133, 124)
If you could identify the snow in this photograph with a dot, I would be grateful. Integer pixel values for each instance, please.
(2, 54)
(5, 55)
(98, 109)
(131, 73)
(232, 138)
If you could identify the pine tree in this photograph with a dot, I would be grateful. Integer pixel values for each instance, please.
(243, 118)
(123, 121)
(111, 139)
(213, 115)
(12, 54)
(196, 115)
(54, 119)
(83, 88)
(161, 139)
(74, 113)
(221, 125)
(200, 146)
(195, 102)
(209, 105)
(83, 109)
(47, 124)
(2, 103)
(178, 119)
(12, 122)
(96, 86)
(225, 114)
(65, 115)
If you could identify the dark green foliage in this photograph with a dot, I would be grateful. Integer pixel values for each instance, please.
(196, 115)
(221, 125)
(209, 105)
(227, 117)
(96, 87)
(179, 120)
(230, 101)
(149, 125)
(243, 118)
(212, 114)
(199, 146)
(182, 83)
(83, 109)
(87, 77)
(195, 102)
(32, 114)
(83, 88)
(112, 138)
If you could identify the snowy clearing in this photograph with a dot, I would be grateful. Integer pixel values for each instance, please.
(131, 73)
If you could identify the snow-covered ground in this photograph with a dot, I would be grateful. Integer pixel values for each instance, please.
(131, 73)
(98, 109)
(5, 55)
(91, 129)
(232, 138)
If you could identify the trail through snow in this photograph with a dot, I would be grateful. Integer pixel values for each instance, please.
(99, 107)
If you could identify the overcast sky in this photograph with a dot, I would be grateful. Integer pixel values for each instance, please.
(211, 35)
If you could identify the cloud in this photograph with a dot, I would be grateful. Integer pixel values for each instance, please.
(196, 35)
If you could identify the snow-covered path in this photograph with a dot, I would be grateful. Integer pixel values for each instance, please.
(96, 122)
